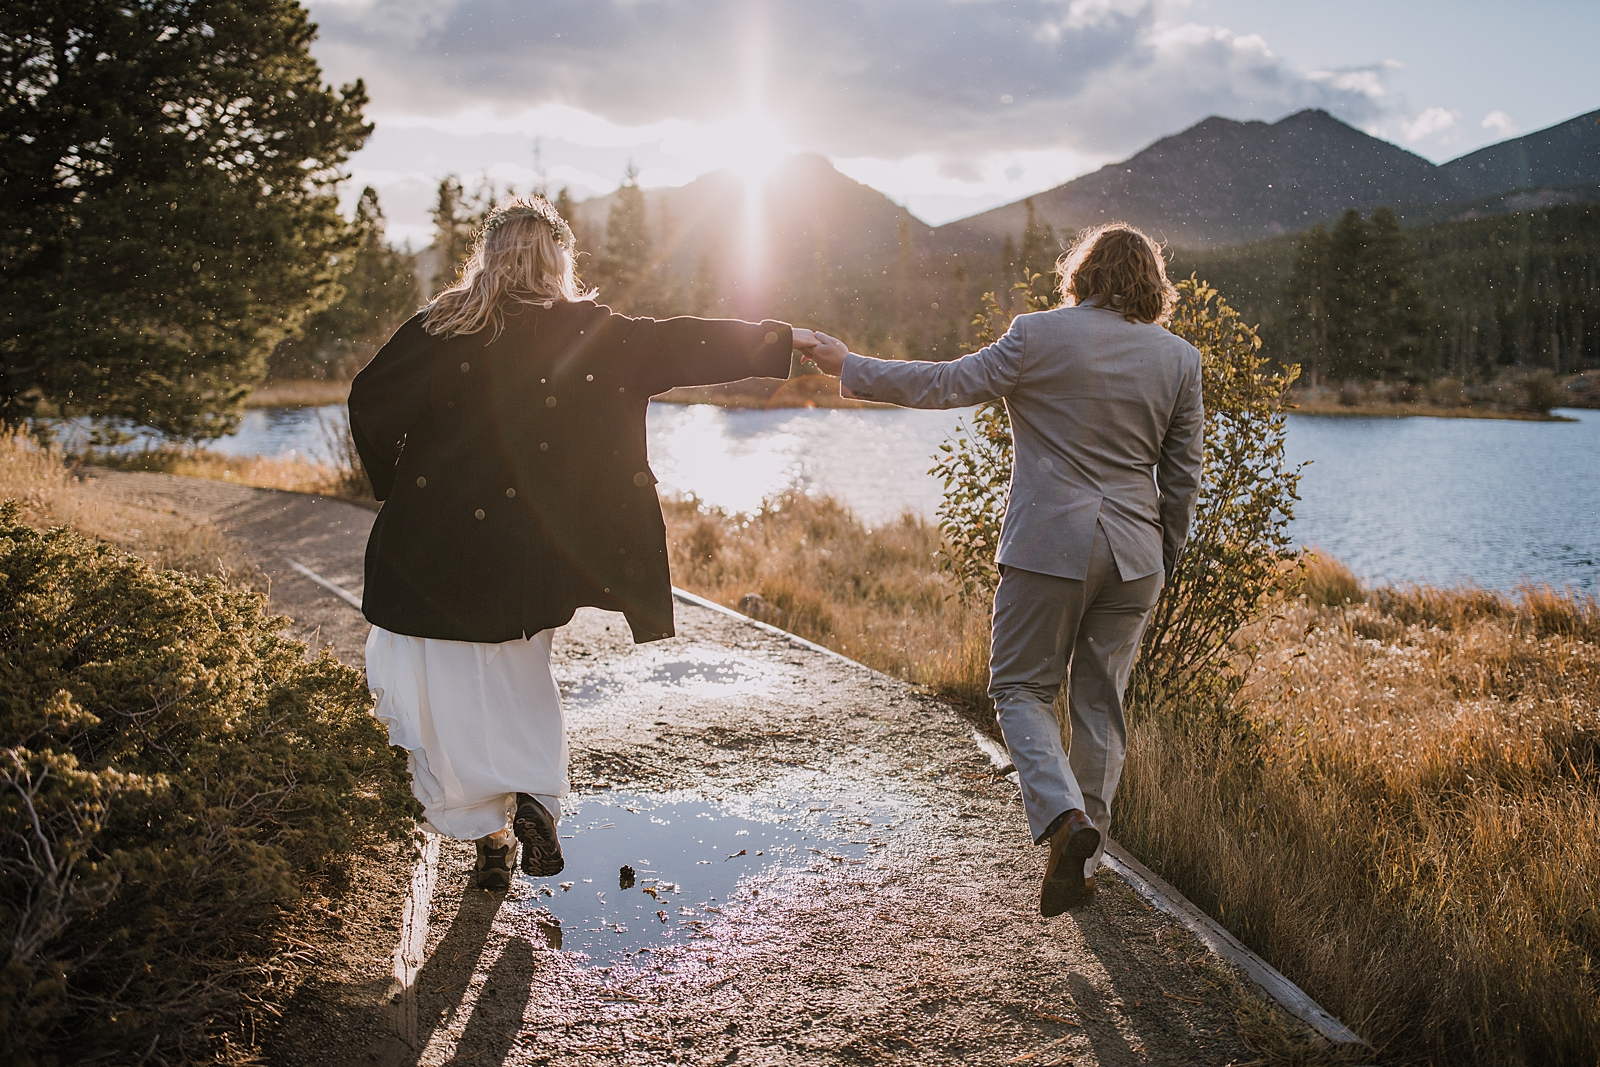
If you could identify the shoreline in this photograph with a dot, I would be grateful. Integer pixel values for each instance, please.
(1412, 411)
(819, 391)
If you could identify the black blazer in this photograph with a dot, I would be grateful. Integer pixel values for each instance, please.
(513, 470)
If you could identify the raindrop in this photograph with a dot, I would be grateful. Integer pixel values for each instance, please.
(478, 513)
(588, 377)
(641, 479)
(549, 401)
(422, 483)
(465, 367)
(510, 493)
(544, 446)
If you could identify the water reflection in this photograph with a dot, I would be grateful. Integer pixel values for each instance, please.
(644, 872)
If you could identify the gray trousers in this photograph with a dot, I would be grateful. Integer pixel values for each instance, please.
(1048, 630)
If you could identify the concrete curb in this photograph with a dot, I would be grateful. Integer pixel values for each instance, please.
(1145, 882)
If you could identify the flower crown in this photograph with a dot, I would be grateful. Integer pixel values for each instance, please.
(538, 207)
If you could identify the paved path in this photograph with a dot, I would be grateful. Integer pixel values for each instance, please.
(883, 906)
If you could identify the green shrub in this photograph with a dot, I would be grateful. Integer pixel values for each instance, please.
(1238, 554)
(171, 767)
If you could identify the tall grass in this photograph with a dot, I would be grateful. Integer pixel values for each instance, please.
(875, 594)
(1404, 817)
(1413, 831)
(51, 493)
(340, 475)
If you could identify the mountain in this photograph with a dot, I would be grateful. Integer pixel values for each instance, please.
(1565, 154)
(808, 228)
(1223, 182)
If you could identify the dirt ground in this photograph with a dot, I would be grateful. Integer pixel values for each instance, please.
(912, 935)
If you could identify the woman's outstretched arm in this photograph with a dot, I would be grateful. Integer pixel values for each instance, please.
(987, 374)
(663, 354)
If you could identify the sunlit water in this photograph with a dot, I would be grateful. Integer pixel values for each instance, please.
(1431, 500)
(646, 872)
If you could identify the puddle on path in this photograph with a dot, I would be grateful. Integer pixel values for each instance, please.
(687, 857)
(694, 670)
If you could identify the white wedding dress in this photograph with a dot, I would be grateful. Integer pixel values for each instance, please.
(481, 723)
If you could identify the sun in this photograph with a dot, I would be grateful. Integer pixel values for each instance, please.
(750, 144)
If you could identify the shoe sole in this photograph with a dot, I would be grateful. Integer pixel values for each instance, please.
(1061, 890)
(541, 851)
(493, 880)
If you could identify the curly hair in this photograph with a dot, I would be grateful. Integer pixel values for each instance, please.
(522, 254)
(1118, 266)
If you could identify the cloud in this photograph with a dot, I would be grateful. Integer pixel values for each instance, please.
(889, 79)
(1500, 123)
(1429, 122)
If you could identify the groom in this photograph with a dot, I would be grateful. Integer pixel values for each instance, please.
(1108, 427)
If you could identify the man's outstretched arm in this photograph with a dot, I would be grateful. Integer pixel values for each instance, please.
(988, 374)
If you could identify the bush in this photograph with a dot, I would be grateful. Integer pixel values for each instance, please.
(1237, 555)
(172, 767)
(1541, 391)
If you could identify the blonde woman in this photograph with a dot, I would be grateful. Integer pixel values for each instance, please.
(1108, 427)
(503, 427)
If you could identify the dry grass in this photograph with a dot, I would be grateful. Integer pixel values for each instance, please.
(1405, 819)
(343, 478)
(1411, 830)
(299, 393)
(53, 494)
(876, 595)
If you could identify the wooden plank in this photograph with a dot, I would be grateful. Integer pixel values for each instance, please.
(1216, 938)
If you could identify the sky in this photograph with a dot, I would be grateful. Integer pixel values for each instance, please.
(949, 107)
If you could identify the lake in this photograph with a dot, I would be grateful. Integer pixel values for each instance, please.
(1399, 500)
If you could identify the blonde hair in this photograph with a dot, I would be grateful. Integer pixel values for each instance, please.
(1118, 266)
(523, 253)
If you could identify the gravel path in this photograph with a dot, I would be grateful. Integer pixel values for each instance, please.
(826, 870)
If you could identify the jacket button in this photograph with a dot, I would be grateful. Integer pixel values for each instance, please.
(510, 493)
(422, 483)
(478, 513)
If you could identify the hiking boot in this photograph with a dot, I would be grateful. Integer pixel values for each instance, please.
(541, 848)
(1073, 842)
(493, 869)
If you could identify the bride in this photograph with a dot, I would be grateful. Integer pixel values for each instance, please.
(503, 427)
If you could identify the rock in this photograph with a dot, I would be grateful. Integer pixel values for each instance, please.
(761, 609)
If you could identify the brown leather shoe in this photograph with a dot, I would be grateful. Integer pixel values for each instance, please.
(1065, 885)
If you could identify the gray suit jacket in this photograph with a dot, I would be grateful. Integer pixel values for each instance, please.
(1097, 404)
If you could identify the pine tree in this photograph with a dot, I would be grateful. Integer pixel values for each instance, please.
(1350, 299)
(168, 208)
(452, 232)
(1400, 318)
(380, 292)
(1040, 250)
(625, 269)
(1306, 298)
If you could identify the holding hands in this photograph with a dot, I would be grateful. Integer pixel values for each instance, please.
(826, 352)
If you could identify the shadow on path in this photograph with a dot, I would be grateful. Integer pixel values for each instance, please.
(442, 983)
(497, 1012)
